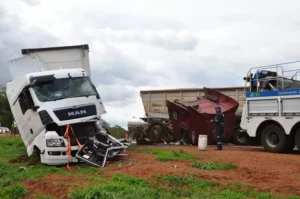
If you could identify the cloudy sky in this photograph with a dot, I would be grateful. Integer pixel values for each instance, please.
(157, 44)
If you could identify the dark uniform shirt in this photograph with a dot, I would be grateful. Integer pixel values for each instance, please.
(219, 119)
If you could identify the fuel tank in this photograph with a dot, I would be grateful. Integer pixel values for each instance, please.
(136, 125)
(193, 117)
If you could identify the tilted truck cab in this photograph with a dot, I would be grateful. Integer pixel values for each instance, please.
(44, 103)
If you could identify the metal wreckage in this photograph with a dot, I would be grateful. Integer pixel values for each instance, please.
(102, 147)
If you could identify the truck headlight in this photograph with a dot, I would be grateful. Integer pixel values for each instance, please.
(55, 143)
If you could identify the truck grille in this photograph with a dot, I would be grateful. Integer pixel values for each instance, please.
(75, 112)
(82, 131)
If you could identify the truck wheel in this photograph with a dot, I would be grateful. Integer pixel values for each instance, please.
(274, 139)
(155, 133)
(240, 138)
(290, 144)
(137, 137)
(297, 139)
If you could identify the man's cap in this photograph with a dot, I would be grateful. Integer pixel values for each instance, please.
(218, 107)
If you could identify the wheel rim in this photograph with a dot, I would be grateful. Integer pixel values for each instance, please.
(154, 135)
(273, 139)
(240, 138)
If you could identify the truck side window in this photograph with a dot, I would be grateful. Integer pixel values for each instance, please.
(25, 101)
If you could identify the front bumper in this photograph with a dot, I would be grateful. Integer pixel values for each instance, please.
(58, 155)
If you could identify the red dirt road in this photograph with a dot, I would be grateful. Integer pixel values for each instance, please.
(268, 172)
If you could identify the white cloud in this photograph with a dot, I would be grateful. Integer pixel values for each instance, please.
(155, 44)
(32, 2)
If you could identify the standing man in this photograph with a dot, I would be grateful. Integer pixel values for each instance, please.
(14, 127)
(219, 126)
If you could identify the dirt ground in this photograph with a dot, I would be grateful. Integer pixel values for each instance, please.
(267, 172)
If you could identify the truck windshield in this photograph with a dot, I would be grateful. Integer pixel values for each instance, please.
(58, 89)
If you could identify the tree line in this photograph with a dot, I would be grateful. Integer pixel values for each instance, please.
(6, 117)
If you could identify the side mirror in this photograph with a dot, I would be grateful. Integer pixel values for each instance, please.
(35, 108)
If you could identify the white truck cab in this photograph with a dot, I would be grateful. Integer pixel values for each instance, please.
(51, 88)
(272, 109)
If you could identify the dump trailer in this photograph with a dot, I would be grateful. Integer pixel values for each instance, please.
(57, 107)
(156, 120)
(190, 119)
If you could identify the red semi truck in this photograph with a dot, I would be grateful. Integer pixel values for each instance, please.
(158, 125)
(190, 119)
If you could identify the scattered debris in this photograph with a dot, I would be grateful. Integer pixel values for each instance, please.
(22, 168)
(101, 147)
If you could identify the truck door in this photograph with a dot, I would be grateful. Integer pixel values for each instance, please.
(30, 116)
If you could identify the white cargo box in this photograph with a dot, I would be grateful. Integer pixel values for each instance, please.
(53, 58)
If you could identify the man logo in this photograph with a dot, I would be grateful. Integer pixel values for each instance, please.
(74, 113)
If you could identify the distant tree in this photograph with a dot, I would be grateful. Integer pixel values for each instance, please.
(117, 131)
(6, 117)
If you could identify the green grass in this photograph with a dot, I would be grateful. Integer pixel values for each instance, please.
(119, 186)
(213, 165)
(43, 197)
(164, 155)
(168, 187)
(13, 192)
(11, 148)
(187, 180)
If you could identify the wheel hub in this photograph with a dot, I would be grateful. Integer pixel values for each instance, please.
(155, 135)
(273, 139)
(241, 138)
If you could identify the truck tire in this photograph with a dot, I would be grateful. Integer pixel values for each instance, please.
(297, 140)
(155, 133)
(273, 139)
(290, 144)
(240, 138)
(137, 137)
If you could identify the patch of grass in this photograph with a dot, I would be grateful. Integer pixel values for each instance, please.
(119, 186)
(213, 165)
(12, 148)
(12, 174)
(95, 179)
(43, 197)
(130, 180)
(164, 155)
(13, 192)
(188, 186)
(187, 180)
(239, 186)
(89, 170)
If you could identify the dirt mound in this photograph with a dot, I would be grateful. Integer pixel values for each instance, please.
(54, 185)
(24, 159)
(20, 159)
